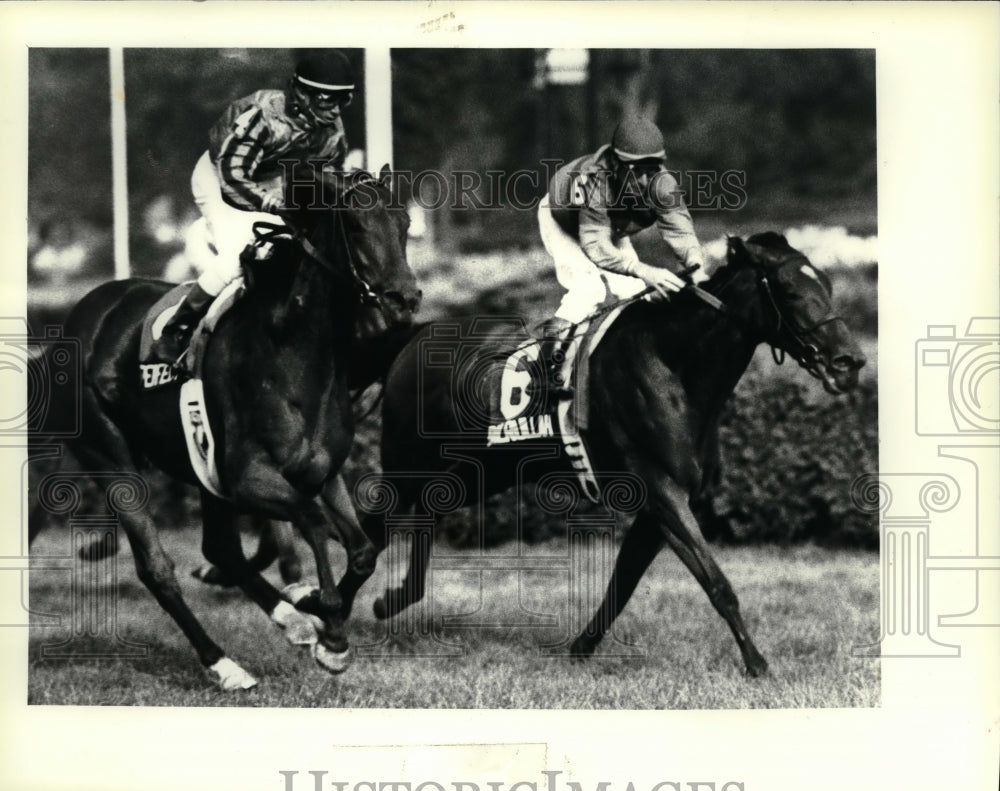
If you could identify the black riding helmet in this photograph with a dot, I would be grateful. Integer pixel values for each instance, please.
(323, 84)
(637, 146)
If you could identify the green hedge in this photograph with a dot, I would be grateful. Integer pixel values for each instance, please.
(788, 461)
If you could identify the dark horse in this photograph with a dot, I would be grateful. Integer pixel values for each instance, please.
(659, 380)
(276, 389)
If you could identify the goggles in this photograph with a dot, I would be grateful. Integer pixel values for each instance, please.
(644, 167)
(327, 100)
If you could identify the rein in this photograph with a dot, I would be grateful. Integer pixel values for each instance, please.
(266, 231)
(810, 352)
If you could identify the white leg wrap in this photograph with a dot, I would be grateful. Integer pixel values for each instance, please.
(299, 628)
(230, 676)
(331, 661)
(297, 591)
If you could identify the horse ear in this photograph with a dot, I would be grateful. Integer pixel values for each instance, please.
(385, 175)
(736, 251)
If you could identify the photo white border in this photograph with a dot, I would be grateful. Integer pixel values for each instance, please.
(938, 73)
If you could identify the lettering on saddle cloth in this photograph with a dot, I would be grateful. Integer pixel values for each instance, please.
(155, 372)
(529, 410)
(522, 400)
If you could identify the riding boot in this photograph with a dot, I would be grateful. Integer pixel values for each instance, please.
(177, 331)
(552, 334)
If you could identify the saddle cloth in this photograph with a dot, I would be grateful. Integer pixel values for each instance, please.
(524, 409)
(155, 374)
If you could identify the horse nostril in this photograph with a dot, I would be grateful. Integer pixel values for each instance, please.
(401, 303)
(847, 362)
(395, 299)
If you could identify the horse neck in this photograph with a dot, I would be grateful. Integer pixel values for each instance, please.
(316, 315)
(709, 351)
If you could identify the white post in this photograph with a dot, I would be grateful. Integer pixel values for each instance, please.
(119, 173)
(378, 108)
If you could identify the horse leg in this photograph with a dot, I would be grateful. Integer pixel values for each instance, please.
(685, 538)
(394, 600)
(351, 582)
(333, 650)
(281, 537)
(641, 544)
(277, 541)
(262, 487)
(155, 570)
(222, 547)
(361, 552)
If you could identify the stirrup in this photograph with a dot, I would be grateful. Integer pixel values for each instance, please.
(179, 366)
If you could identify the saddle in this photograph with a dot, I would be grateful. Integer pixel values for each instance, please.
(155, 373)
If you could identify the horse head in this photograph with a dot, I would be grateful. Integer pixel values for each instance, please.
(354, 213)
(796, 310)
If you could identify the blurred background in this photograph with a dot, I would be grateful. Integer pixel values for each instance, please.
(799, 125)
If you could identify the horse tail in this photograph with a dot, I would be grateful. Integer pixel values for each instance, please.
(372, 357)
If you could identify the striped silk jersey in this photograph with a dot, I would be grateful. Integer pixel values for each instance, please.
(255, 133)
(588, 205)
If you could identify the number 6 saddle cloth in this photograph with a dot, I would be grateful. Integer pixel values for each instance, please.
(531, 402)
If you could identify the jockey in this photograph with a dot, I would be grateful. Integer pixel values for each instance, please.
(595, 203)
(238, 180)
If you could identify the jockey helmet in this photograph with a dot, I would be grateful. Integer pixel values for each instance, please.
(322, 86)
(638, 150)
(636, 138)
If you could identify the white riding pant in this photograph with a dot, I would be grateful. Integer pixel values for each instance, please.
(587, 285)
(229, 229)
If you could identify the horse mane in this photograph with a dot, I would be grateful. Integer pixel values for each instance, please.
(770, 239)
(275, 275)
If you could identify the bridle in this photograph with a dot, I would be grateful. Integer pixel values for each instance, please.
(266, 231)
(806, 352)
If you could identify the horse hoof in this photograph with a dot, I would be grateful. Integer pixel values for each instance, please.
(581, 650)
(381, 611)
(291, 571)
(757, 668)
(300, 628)
(208, 574)
(230, 677)
(330, 660)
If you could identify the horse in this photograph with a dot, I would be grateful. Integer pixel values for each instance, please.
(658, 382)
(276, 372)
